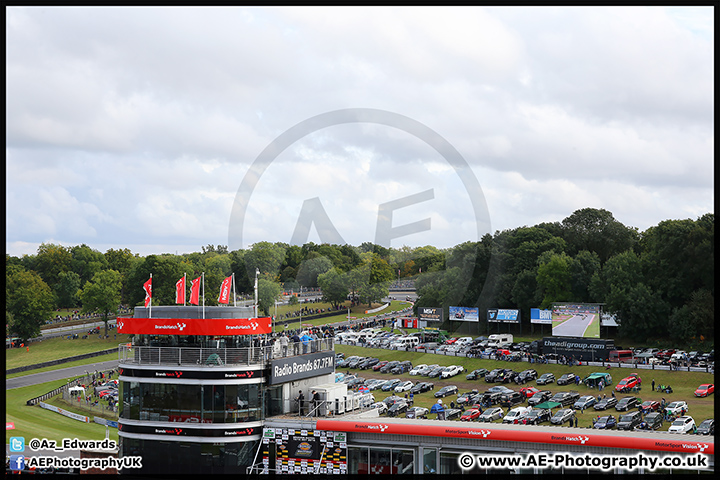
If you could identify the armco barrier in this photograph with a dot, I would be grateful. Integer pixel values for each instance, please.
(60, 361)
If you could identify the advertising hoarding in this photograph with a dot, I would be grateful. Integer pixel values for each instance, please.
(464, 314)
(431, 314)
(576, 320)
(543, 317)
(503, 315)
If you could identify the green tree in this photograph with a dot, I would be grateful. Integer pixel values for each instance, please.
(50, 261)
(122, 260)
(596, 230)
(334, 286)
(102, 294)
(553, 278)
(268, 293)
(266, 257)
(86, 262)
(30, 302)
(67, 290)
(307, 274)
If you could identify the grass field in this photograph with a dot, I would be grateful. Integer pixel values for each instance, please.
(683, 383)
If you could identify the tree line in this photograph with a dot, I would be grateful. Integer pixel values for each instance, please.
(659, 282)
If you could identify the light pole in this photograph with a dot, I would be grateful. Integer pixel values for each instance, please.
(257, 272)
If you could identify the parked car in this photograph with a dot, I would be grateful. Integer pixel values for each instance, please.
(380, 406)
(528, 392)
(397, 408)
(545, 378)
(526, 376)
(649, 406)
(565, 398)
(451, 371)
(468, 398)
(506, 376)
(707, 427)
(405, 386)
(492, 375)
(536, 416)
(630, 420)
(435, 372)
(476, 374)
(605, 423)
(417, 369)
(626, 403)
(584, 402)
(677, 408)
(470, 415)
(425, 371)
(605, 403)
(563, 415)
(509, 399)
(491, 398)
(682, 425)
(567, 379)
(402, 367)
(416, 412)
(378, 365)
(353, 363)
(515, 413)
(628, 383)
(422, 387)
(390, 385)
(705, 389)
(389, 366)
(452, 413)
(539, 397)
(652, 421)
(491, 414)
(447, 390)
(499, 388)
(368, 363)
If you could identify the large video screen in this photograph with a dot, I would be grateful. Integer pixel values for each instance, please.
(576, 320)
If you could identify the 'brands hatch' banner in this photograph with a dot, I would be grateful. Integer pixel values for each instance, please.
(194, 326)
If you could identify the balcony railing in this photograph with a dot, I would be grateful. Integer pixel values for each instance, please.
(210, 357)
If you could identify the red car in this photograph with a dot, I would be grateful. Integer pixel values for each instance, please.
(379, 365)
(705, 389)
(470, 415)
(528, 392)
(629, 382)
(649, 406)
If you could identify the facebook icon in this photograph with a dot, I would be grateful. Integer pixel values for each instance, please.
(17, 462)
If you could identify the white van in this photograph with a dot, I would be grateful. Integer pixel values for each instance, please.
(403, 343)
(498, 340)
(464, 341)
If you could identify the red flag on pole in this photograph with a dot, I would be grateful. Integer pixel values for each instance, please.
(225, 290)
(147, 286)
(180, 291)
(195, 291)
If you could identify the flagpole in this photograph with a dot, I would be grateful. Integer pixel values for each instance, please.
(233, 285)
(150, 314)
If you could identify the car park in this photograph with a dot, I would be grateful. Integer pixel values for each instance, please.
(629, 420)
(344, 362)
(707, 427)
(447, 390)
(405, 386)
(514, 414)
(584, 402)
(355, 362)
(566, 379)
(422, 387)
(416, 412)
(545, 378)
(389, 366)
(470, 415)
(435, 372)
(539, 397)
(491, 414)
(508, 375)
(379, 365)
(423, 371)
(605, 423)
(380, 406)
(563, 415)
(417, 369)
(500, 389)
(704, 390)
(677, 408)
(536, 416)
(452, 413)
(626, 403)
(402, 367)
(684, 424)
(649, 406)
(477, 374)
(652, 421)
(368, 363)
(509, 399)
(605, 403)
(355, 381)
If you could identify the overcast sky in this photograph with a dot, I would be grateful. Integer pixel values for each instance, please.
(164, 130)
